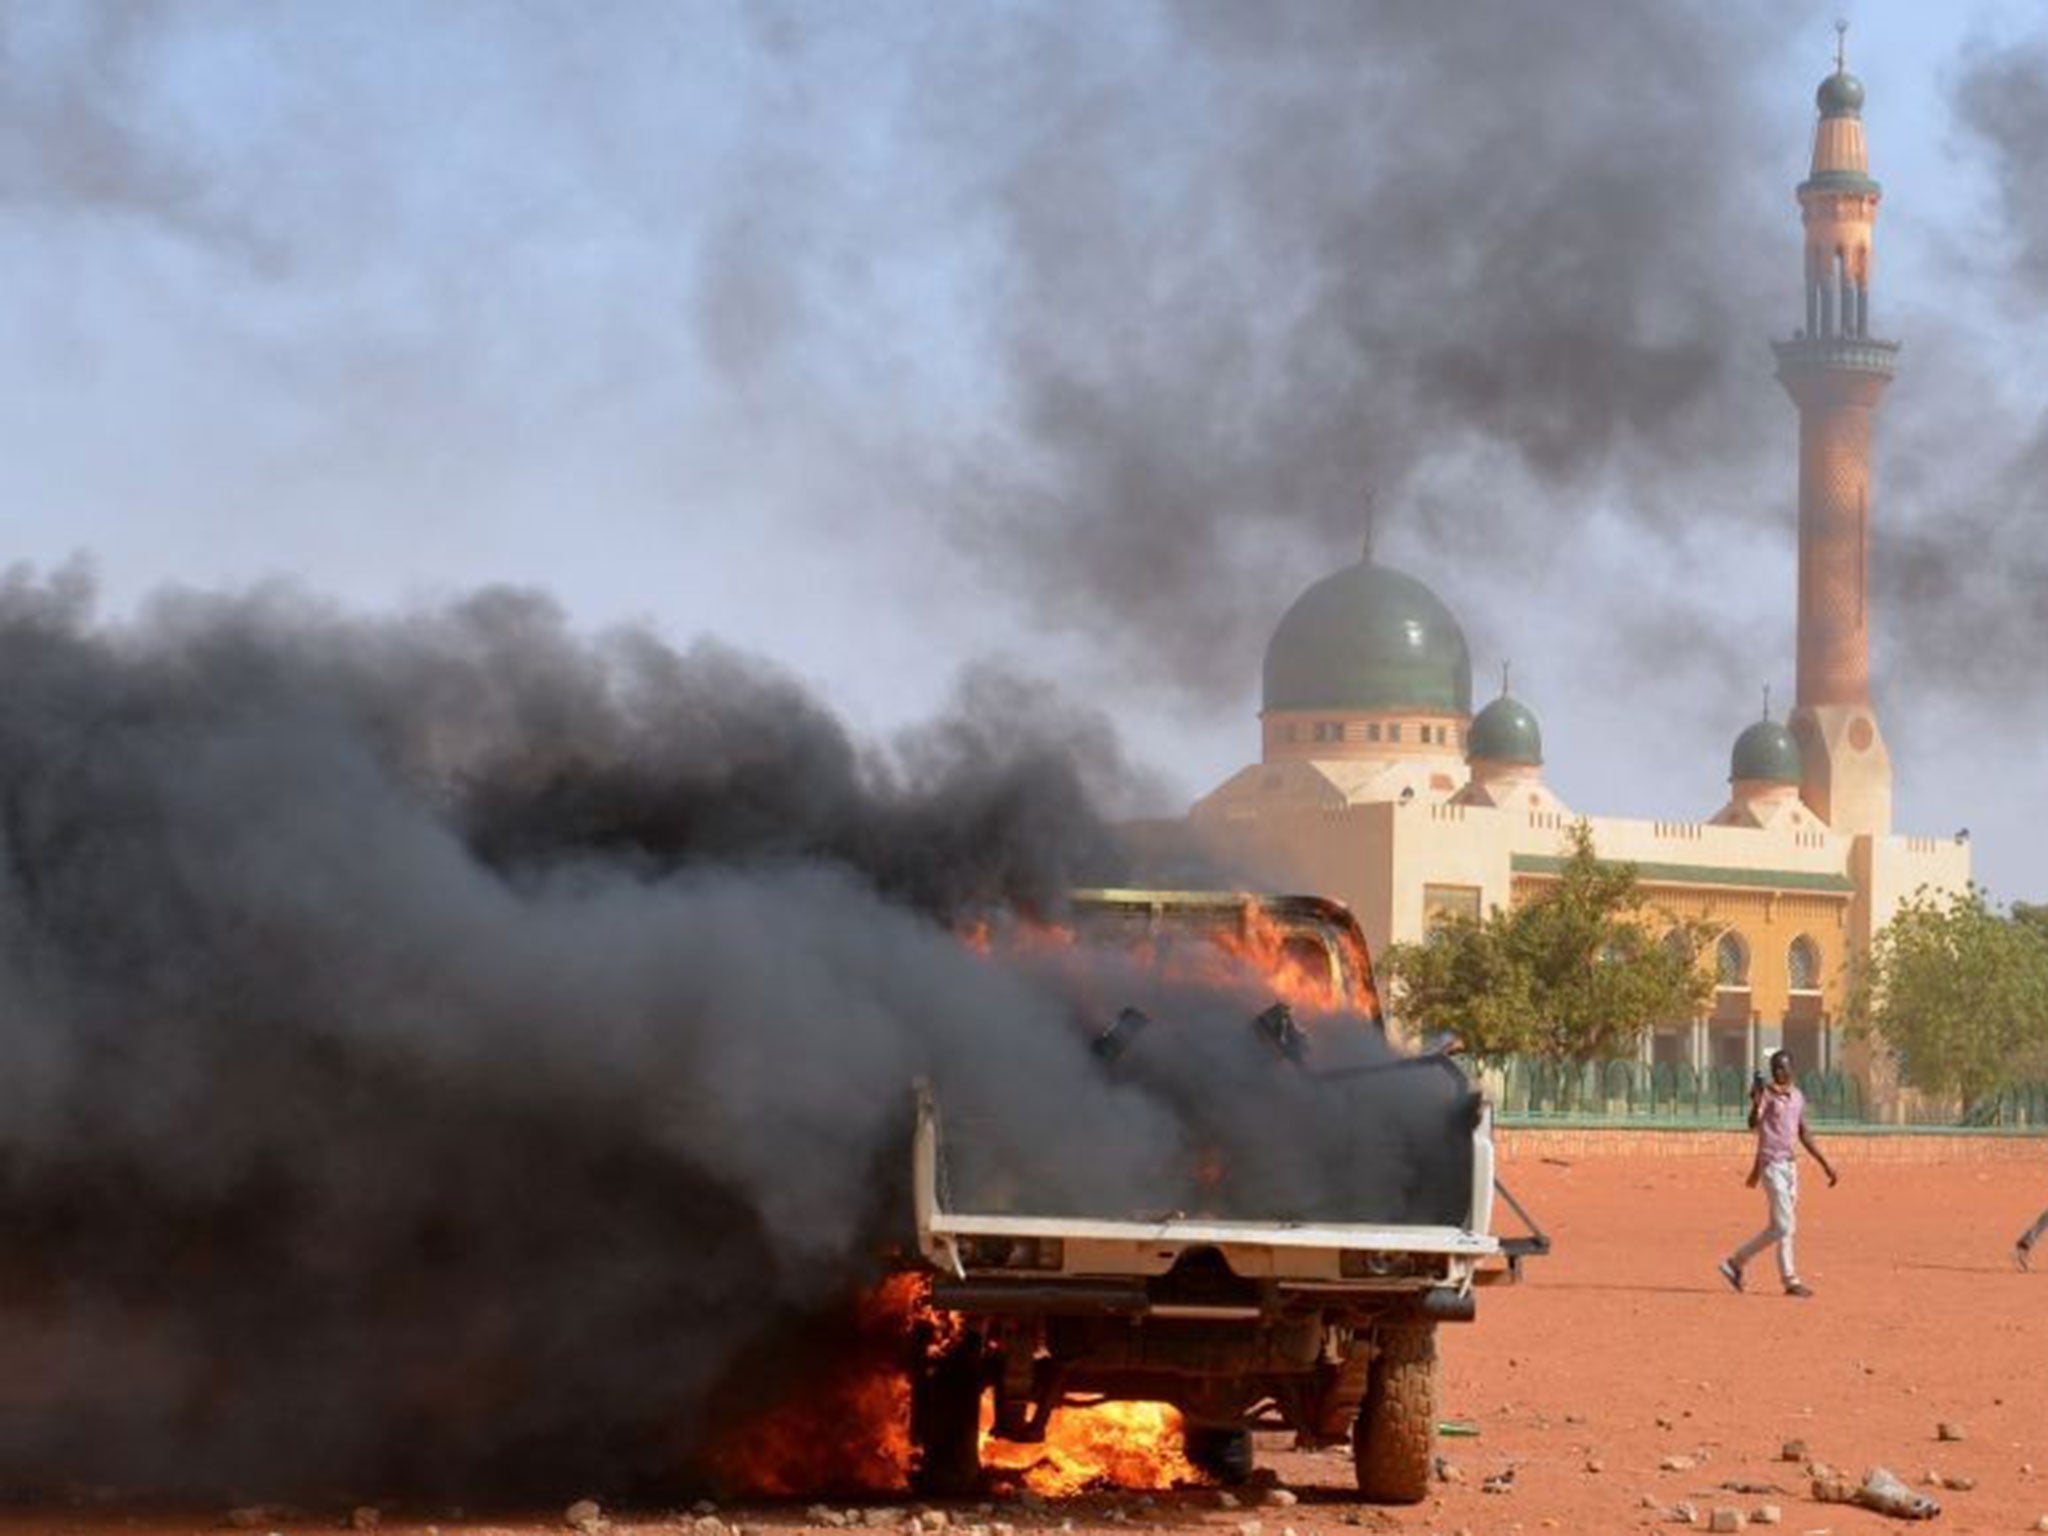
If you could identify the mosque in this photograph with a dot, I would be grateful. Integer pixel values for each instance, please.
(1378, 784)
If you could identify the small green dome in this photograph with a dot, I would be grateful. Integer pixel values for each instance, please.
(1840, 95)
(1766, 751)
(1369, 638)
(1505, 732)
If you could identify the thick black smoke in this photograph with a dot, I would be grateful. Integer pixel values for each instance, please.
(1258, 263)
(1965, 578)
(439, 1050)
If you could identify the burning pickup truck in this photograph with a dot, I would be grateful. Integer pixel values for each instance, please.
(1331, 1202)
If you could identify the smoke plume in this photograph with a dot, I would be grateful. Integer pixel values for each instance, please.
(440, 1050)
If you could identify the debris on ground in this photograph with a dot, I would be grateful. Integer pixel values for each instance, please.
(364, 1517)
(1948, 1429)
(1768, 1514)
(1724, 1520)
(1502, 1481)
(1792, 1450)
(584, 1515)
(1880, 1490)
(1676, 1464)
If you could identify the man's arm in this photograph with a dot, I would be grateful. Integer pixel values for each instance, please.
(1806, 1140)
(1756, 1104)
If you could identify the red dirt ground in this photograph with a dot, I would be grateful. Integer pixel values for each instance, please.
(1624, 1347)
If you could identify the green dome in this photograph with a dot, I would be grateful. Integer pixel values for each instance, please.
(1766, 751)
(1840, 95)
(1505, 732)
(1369, 638)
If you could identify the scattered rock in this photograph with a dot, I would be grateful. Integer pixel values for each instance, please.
(1280, 1498)
(1879, 1490)
(1959, 1482)
(875, 1518)
(703, 1507)
(1648, 1501)
(1820, 1469)
(1676, 1464)
(1595, 1464)
(831, 1519)
(1250, 1527)
(1725, 1519)
(1683, 1514)
(1948, 1429)
(1744, 1485)
(1664, 1423)
(1502, 1481)
(1002, 1528)
(253, 1516)
(2041, 1524)
(1768, 1514)
(584, 1515)
(1792, 1450)
(364, 1518)
(710, 1525)
(1225, 1499)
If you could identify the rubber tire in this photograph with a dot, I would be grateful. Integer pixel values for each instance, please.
(1222, 1452)
(945, 1425)
(1393, 1442)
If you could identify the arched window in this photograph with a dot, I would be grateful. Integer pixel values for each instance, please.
(1802, 965)
(1731, 961)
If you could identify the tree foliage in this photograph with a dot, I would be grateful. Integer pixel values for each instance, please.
(1957, 992)
(1577, 973)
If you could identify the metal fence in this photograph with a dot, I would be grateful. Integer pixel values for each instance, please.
(1531, 1090)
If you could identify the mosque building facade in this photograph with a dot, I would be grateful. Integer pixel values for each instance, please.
(1378, 784)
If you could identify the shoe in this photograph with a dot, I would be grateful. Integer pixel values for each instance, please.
(1731, 1272)
(1798, 1288)
(2022, 1257)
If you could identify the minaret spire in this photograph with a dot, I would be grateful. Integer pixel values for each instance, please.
(1836, 371)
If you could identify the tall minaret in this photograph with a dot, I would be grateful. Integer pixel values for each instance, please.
(1836, 372)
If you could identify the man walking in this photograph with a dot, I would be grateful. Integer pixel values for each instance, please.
(2023, 1250)
(1777, 1113)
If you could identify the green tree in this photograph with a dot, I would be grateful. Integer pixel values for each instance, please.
(1957, 992)
(1577, 973)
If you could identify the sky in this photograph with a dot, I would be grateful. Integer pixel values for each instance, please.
(890, 344)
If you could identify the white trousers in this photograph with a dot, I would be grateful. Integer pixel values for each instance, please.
(1781, 1192)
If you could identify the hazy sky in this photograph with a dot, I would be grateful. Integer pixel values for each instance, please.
(884, 340)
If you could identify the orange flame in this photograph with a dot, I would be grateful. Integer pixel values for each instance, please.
(848, 1432)
(1117, 1445)
(1260, 950)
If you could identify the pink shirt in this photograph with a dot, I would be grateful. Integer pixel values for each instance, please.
(1777, 1125)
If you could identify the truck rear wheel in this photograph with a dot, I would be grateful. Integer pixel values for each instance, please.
(1393, 1440)
(945, 1423)
(1222, 1451)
